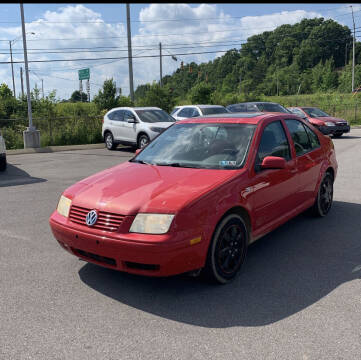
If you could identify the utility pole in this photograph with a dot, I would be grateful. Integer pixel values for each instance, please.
(160, 63)
(130, 55)
(12, 68)
(31, 135)
(22, 83)
(42, 87)
(353, 52)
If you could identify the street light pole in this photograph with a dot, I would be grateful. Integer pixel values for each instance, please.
(31, 135)
(12, 68)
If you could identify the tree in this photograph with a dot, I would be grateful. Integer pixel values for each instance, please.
(78, 96)
(5, 91)
(200, 93)
(106, 98)
(157, 96)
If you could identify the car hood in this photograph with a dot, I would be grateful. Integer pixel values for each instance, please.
(328, 118)
(130, 188)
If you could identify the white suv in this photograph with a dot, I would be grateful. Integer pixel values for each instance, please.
(135, 126)
(2, 153)
(189, 111)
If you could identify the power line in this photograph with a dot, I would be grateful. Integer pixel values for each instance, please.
(112, 58)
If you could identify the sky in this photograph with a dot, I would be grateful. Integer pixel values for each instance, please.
(190, 32)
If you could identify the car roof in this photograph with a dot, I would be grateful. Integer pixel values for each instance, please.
(136, 108)
(201, 106)
(256, 102)
(238, 118)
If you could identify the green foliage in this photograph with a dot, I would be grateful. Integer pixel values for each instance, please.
(200, 93)
(157, 96)
(5, 92)
(78, 96)
(107, 99)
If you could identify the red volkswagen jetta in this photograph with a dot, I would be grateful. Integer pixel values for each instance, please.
(198, 195)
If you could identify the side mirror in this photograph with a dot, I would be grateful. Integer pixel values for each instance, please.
(273, 162)
(137, 151)
(130, 119)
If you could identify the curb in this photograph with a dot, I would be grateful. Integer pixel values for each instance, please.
(50, 149)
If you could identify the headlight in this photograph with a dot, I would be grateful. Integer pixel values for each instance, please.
(151, 223)
(64, 206)
(329, 123)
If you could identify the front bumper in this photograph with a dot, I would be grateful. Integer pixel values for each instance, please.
(129, 252)
(338, 129)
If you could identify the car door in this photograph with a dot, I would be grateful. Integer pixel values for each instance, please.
(117, 124)
(130, 129)
(272, 190)
(309, 158)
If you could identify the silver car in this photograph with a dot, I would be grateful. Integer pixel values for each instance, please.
(2, 154)
(135, 126)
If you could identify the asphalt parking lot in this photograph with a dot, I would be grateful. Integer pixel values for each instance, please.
(299, 296)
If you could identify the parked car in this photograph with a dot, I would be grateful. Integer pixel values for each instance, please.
(257, 106)
(3, 162)
(198, 195)
(327, 124)
(134, 126)
(190, 111)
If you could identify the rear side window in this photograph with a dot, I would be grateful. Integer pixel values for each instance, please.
(273, 143)
(186, 112)
(252, 108)
(237, 108)
(116, 115)
(272, 108)
(315, 142)
(214, 111)
(174, 111)
(299, 136)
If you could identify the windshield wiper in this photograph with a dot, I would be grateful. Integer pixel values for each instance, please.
(176, 164)
(141, 162)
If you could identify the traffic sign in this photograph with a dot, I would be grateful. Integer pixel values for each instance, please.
(84, 74)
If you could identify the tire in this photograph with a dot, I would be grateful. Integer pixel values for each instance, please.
(324, 198)
(109, 141)
(143, 141)
(227, 250)
(337, 135)
(3, 163)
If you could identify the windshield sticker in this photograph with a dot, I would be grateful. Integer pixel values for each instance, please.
(227, 163)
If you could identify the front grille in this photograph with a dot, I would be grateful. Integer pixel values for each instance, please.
(96, 257)
(106, 221)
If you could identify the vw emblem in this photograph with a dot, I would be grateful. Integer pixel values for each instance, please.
(91, 218)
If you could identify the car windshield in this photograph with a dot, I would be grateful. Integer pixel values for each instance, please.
(315, 112)
(272, 108)
(200, 145)
(174, 110)
(153, 116)
(214, 110)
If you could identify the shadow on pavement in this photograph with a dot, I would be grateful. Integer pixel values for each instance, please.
(14, 176)
(288, 270)
(346, 137)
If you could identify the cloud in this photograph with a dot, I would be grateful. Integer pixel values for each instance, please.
(192, 29)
